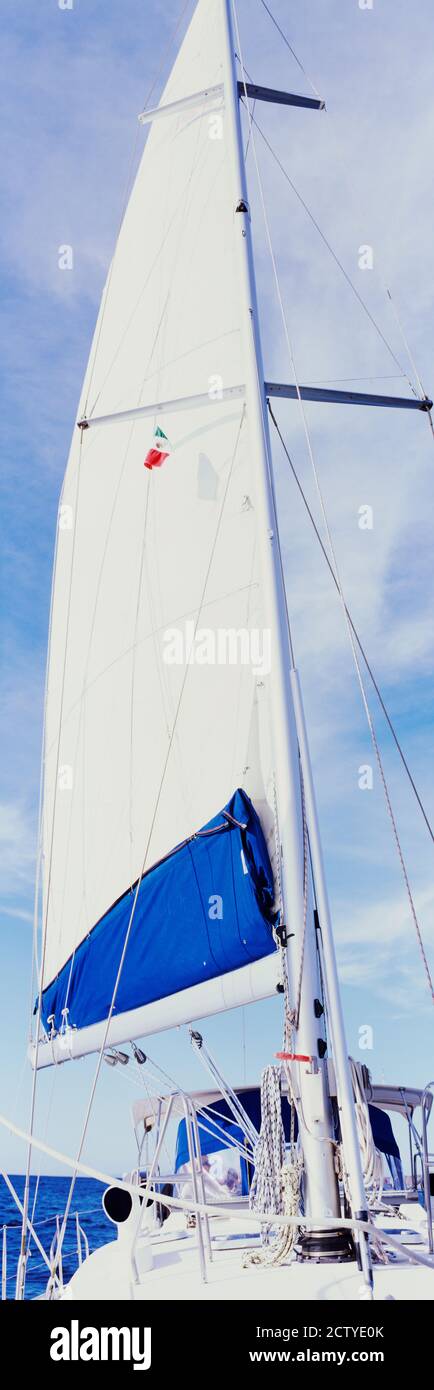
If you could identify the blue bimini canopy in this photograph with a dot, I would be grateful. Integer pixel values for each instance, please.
(218, 1130)
(204, 910)
(385, 1142)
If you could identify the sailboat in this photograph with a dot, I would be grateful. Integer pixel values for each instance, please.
(182, 874)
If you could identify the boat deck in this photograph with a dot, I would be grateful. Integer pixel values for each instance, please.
(175, 1274)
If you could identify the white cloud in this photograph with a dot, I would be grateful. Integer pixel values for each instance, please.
(17, 846)
(21, 914)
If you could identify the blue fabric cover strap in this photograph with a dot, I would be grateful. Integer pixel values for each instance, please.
(204, 910)
(385, 1142)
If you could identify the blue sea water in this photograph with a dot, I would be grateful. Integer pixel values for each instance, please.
(52, 1195)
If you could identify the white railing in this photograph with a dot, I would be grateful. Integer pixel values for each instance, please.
(53, 1260)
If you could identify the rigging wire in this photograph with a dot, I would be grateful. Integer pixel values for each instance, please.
(145, 1083)
(294, 1016)
(333, 253)
(331, 545)
(373, 734)
(337, 380)
(291, 50)
(410, 356)
(35, 958)
(22, 1256)
(207, 1111)
(405, 340)
(253, 121)
(402, 375)
(358, 640)
(38, 1177)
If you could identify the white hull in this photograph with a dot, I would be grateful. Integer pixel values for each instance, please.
(175, 1275)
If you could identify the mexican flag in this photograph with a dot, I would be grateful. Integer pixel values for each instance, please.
(159, 451)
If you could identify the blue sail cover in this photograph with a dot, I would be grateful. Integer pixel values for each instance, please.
(204, 910)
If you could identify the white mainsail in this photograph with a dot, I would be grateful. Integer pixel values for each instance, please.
(148, 732)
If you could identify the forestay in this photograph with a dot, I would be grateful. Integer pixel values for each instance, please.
(154, 714)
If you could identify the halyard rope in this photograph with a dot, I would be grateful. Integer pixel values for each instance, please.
(276, 1182)
(266, 1189)
(280, 935)
(305, 901)
(372, 1162)
(278, 855)
(282, 1246)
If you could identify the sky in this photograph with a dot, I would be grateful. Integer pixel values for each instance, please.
(74, 80)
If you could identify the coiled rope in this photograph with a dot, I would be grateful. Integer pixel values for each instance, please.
(276, 1183)
(266, 1190)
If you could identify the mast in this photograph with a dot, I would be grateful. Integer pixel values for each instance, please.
(321, 1192)
(336, 1018)
(310, 1078)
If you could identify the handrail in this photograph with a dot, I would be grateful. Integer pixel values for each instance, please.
(4, 1263)
(426, 1168)
(81, 1234)
(50, 1259)
(56, 1262)
(348, 1223)
(23, 1259)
